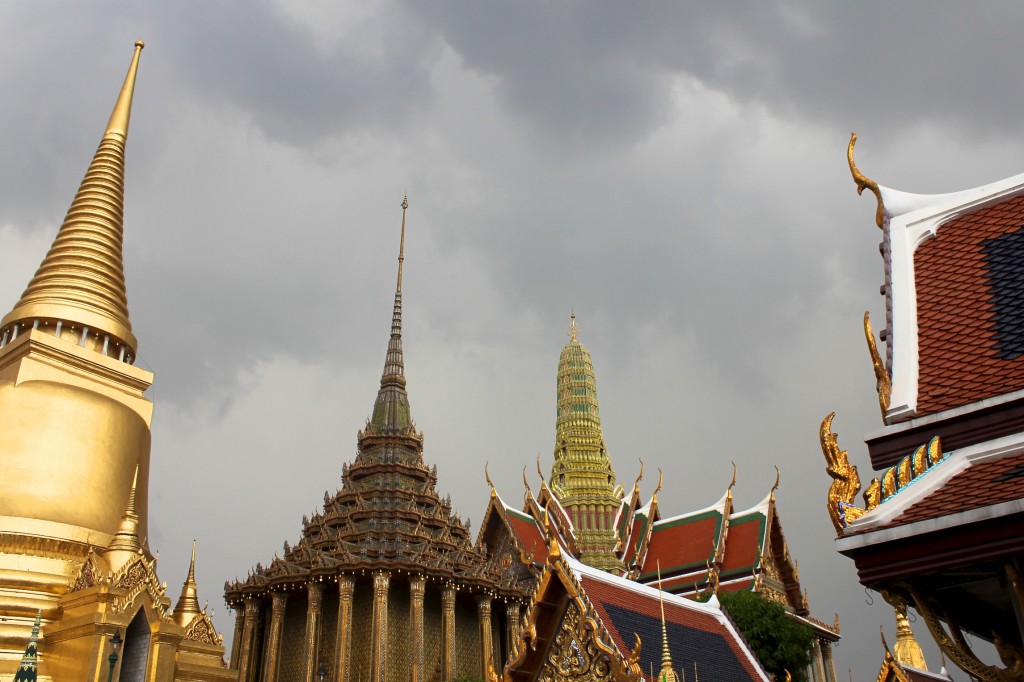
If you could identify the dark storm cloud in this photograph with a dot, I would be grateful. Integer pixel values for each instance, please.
(590, 72)
(254, 57)
(675, 173)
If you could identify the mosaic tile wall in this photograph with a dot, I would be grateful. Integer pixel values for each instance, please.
(362, 627)
(432, 633)
(467, 637)
(399, 637)
(293, 645)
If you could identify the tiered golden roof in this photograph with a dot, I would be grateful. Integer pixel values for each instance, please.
(582, 476)
(388, 514)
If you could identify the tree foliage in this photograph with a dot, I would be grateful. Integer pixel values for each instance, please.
(779, 641)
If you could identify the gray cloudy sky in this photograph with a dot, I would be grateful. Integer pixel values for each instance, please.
(673, 171)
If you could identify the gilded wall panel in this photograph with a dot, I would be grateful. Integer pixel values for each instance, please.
(362, 630)
(293, 640)
(432, 633)
(329, 627)
(467, 638)
(399, 637)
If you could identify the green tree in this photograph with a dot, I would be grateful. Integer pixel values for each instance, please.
(779, 641)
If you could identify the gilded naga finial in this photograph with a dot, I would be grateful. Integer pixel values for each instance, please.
(846, 480)
(661, 479)
(732, 483)
(865, 183)
(633, 662)
(883, 383)
(487, 477)
(778, 476)
(640, 477)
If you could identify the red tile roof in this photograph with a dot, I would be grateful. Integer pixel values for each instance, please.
(980, 485)
(529, 535)
(689, 541)
(744, 544)
(960, 359)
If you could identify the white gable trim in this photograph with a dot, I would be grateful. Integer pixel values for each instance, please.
(911, 220)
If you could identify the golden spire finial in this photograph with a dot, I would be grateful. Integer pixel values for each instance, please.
(81, 279)
(667, 674)
(125, 544)
(401, 243)
(120, 117)
(187, 607)
(906, 650)
(863, 182)
(572, 326)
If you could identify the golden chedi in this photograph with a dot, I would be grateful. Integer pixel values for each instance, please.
(76, 439)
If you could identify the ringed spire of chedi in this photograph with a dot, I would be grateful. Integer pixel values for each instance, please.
(81, 280)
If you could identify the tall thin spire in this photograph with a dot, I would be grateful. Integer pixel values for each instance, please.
(187, 607)
(80, 282)
(28, 670)
(401, 243)
(667, 674)
(391, 411)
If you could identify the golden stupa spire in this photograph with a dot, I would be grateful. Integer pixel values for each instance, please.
(80, 284)
(391, 410)
(126, 544)
(906, 650)
(667, 674)
(187, 607)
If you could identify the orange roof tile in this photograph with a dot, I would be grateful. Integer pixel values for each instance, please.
(969, 299)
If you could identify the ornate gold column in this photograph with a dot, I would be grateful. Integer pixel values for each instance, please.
(417, 586)
(817, 669)
(236, 641)
(346, 587)
(246, 671)
(315, 592)
(511, 627)
(826, 660)
(379, 664)
(483, 607)
(277, 604)
(448, 634)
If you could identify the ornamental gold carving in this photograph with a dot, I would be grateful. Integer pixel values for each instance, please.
(201, 629)
(883, 382)
(863, 183)
(846, 480)
(575, 653)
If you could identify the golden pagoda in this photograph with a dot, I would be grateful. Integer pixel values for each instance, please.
(76, 438)
(582, 477)
(385, 583)
(696, 555)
